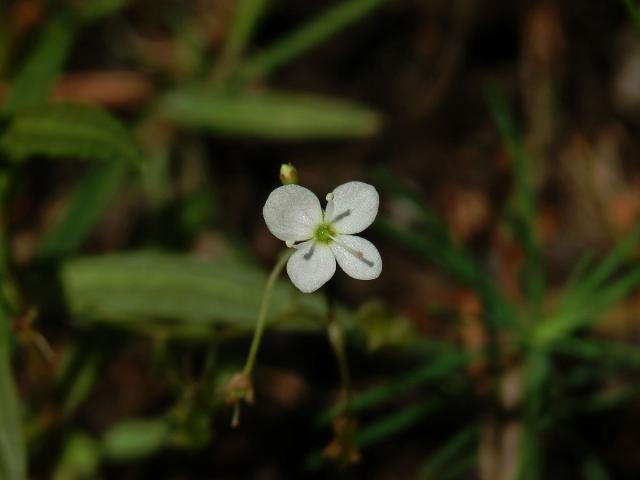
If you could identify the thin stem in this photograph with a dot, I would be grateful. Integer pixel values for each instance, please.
(264, 309)
(337, 342)
(336, 339)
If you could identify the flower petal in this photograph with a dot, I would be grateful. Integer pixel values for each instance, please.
(311, 266)
(359, 258)
(352, 207)
(292, 212)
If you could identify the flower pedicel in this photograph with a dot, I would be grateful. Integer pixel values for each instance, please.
(294, 215)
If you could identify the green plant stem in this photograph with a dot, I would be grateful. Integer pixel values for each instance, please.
(306, 37)
(336, 339)
(264, 309)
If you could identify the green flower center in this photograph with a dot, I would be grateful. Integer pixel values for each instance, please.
(323, 233)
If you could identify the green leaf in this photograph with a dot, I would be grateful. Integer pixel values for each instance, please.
(13, 463)
(74, 131)
(36, 77)
(84, 209)
(148, 290)
(80, 458)
(133, 439)
(271, 115)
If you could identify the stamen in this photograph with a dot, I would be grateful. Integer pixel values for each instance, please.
(356, 253)
(309, 254)
(344, 214)
(328, 213)
(297, 244)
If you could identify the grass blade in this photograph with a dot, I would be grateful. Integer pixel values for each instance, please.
(37, 75)
(12, 445)
(245, 18)
(444, 366)
(308, 36)
(522, 208)
(85, 208)
(440, 463)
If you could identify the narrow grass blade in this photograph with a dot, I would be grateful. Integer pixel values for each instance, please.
(522, 206)
(86, 206)
(385, 428)
(393, 424)
(441, 462)
(34, 80)
(245, 18)
(12, 445)
(605, 353)
(444, 366)
(308, 36)
(584, 307)
(458, 263)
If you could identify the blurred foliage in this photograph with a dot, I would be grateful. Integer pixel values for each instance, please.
(68, 131)
(135, 272)
(137, 290)
(12, 453)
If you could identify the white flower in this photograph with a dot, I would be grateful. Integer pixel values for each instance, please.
(293, 214)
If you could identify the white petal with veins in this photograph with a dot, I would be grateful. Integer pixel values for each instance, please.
(358, 257)
(352, 207)
(311, 266)
(292, 212)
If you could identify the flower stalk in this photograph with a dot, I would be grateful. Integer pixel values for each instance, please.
(240, 387)
(264, 310)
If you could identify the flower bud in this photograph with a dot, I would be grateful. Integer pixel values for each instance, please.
(239, 388)
(343, 449)
(288, 174)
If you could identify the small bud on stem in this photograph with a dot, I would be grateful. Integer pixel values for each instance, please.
(343, 449)
(288, 174)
